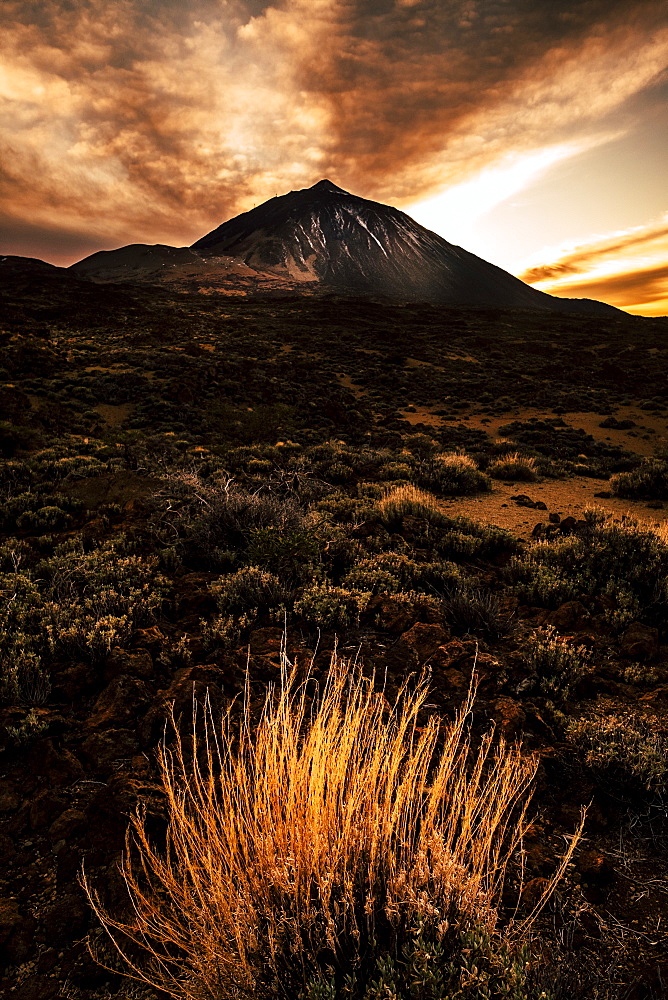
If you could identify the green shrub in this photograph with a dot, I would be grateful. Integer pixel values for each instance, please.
(408, 501)
(80, 600)
(392, 471)
(648, 482)
(455, 538)
(213, 518)
(469, 965)
(391, 572)
(331, 608)
(250, 589)
(49, 518)
(37, 512)
(471, 610)
(623, 560)
(558, 663)
(23, 679)
(455, 475)
(289, 554)
(628, 754)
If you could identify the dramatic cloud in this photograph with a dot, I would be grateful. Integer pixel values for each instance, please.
(153, 120)
(628, 269)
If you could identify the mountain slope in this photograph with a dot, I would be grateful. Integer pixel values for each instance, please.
(323, 239)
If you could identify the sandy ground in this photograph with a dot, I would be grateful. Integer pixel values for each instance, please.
(650, 432)
(568, 497)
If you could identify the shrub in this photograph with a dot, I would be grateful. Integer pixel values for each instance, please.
(558, 663)
(624, 560)
(37, 512)
(49, 518)
(304, 854)
(250, 589)
(331, 608)
(290, 554)
(648, 482)
(628, 754)
(407, 501)
(515, 466)
(477, 612)
(391, 572)
(79, 600)
(23, 680)
(213, 518)
(451, 537)
(455, 475)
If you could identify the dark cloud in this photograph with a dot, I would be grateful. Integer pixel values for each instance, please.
(154, 120)
(545, 271)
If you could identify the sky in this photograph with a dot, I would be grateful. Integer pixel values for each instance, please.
(532, 133)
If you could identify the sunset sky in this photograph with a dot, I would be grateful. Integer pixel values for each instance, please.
(533, 133)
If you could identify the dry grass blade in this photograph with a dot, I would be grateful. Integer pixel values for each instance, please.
(315, 838)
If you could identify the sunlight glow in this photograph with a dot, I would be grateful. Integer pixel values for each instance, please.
(453, 213)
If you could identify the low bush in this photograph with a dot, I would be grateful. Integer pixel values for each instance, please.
(392, 572)
(474, 611)
(621, 559)
(558, 664)
(23, 680)
(334, 849)
(331, 608)
(627, 754)
(290, 554)
(38, 512)
(514, 467)
(214, 517)
(408, 501)
(648, 482)
(451, 537)
(80, 601)
(455, 475)
(250, 589)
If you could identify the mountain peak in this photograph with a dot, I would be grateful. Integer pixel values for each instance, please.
(327, 185)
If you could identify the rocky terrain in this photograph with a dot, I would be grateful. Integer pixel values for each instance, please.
(190, 481)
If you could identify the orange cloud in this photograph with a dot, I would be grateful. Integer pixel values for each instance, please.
(626, 269)
(153, 120)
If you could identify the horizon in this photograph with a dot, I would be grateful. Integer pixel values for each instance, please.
(534, 141)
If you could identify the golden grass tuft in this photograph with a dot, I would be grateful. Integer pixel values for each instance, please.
(315, 838)
(407, 500)
(456, 460)
(514, 466)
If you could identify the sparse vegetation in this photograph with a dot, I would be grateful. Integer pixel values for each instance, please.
(186, 477)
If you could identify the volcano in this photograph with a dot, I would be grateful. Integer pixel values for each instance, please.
(322, 240)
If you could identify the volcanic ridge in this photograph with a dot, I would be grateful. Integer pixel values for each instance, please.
(324, 240)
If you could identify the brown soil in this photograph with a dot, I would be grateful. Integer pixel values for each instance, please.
(114, 414)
